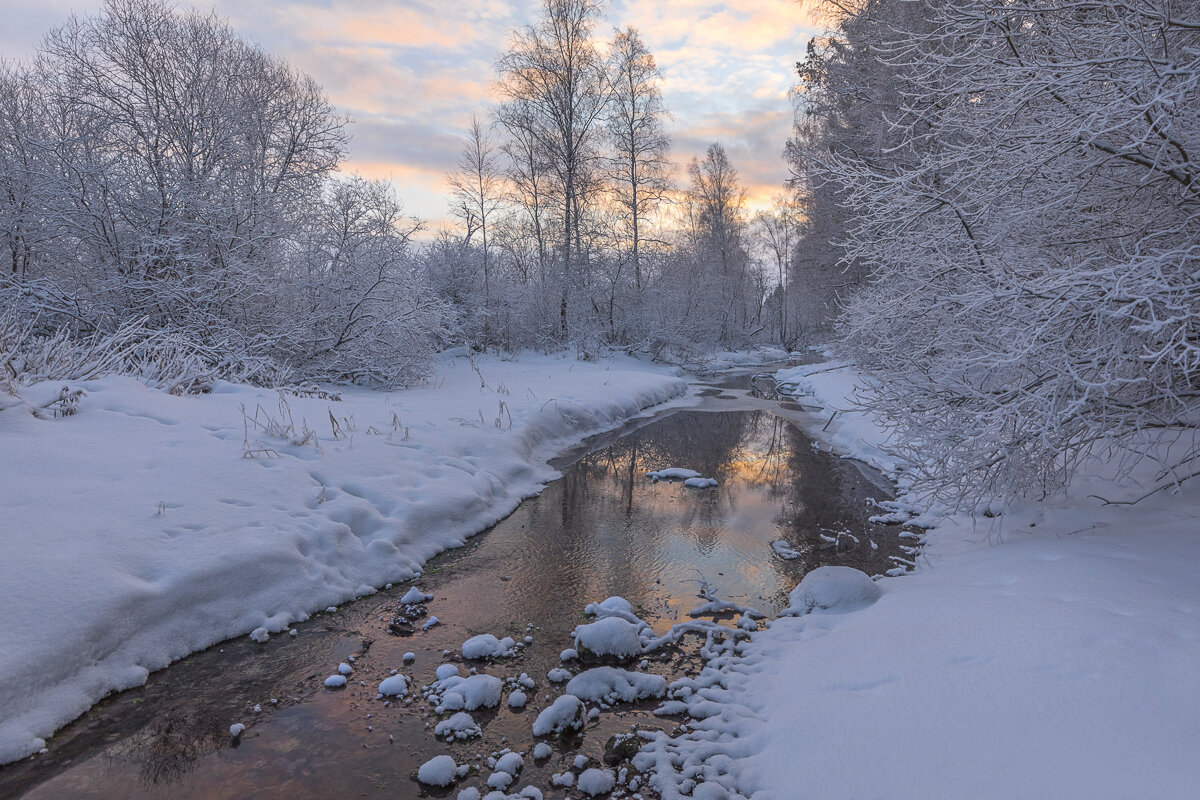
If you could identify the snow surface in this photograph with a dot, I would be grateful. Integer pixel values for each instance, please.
(700, 483)
(1050, 651)
(137, 533)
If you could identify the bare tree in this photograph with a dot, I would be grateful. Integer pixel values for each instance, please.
(555, 72)
(718, 226)
(779, 231)
(477, 188)
(639, 164)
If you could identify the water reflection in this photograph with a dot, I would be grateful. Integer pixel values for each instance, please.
(603, 529)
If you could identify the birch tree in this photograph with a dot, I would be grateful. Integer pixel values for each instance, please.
(554, 71)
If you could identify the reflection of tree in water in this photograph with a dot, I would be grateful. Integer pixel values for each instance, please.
(831, 495)
(604, 528)
(167, 749)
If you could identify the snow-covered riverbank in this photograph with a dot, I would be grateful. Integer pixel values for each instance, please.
(1049, 651)
(148, 526)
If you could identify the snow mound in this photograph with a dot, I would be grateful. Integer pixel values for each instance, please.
(510, 762)
(672, 474)
(611, 636)
(395, 686)
(596, 781)
(488, 646)
(558, 675)
(542, 751)
(460, 726)
(564, 714)
(438, 771)
(260, 635)
(414, 596)
(517, 699)
(834, 589)
(470, 693)
(700, 483)
(335, 681)
(611, 685)
(609, 607)
(785, 550)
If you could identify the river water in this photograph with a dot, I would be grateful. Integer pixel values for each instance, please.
(602, 529)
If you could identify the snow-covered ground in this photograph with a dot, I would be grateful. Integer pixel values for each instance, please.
(1051, 651)
(148, 526)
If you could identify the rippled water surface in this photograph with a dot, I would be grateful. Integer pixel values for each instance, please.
(603, 529)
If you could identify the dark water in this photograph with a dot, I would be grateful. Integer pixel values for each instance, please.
(603, 529)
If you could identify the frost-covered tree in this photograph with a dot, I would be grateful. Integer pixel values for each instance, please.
(639, 159)
(477, 193)
(1026, 205)
(554, 84)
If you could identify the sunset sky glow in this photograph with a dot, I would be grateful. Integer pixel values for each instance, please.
(411, 72)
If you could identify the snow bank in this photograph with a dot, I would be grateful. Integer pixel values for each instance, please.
(137, 533)
(850, 431)
(1049, 651)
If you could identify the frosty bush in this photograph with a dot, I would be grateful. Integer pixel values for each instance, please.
(168, 200)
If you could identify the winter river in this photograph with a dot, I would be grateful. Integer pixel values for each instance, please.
(603, 529)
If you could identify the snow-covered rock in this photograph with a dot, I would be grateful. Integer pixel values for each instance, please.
(486, 645)
(458, 727)
(438, 771)
(672, 474)
(610, 685)
(610, 636)
(335, 681)
(785, 550)
(471, 692)
(414, 596)
(700, 483)
(596, 781)
(510, 762)
(564, 715)
(394, 686)
(833, 589)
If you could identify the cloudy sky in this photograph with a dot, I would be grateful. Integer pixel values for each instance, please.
(411, 72)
